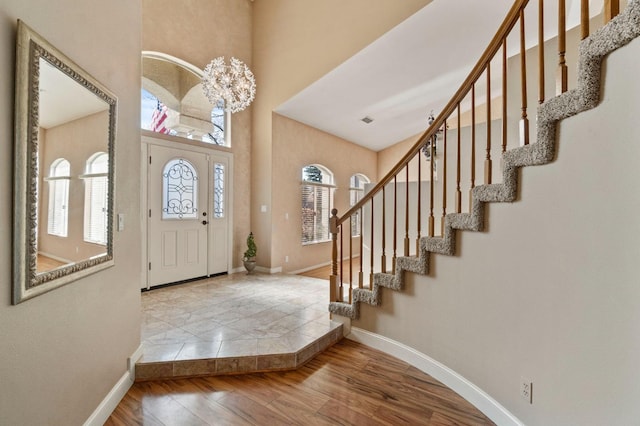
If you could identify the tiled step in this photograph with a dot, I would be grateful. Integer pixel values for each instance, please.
(276, 361)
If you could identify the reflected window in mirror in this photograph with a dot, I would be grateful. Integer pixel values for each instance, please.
(96, 184)
(173, 102)
(58, 211)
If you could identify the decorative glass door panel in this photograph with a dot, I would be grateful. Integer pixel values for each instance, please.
(178, 225)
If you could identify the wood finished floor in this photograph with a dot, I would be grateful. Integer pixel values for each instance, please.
(349, 384)
(45, 263)
(324, 272)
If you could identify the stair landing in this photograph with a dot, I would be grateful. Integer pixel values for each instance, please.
(234, 324)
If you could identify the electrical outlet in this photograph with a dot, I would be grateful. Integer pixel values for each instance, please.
(526, 389)
(286, 259)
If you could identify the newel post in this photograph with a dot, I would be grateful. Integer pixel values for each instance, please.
(333, 278)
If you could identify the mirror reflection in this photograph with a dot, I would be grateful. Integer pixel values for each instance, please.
(73, 160)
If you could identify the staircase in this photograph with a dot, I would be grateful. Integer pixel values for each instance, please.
(586, 95)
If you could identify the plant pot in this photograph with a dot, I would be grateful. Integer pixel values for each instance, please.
(249, 265)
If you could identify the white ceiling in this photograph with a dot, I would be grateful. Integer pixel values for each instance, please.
(398, 79)
(63, 99)
(411, 70)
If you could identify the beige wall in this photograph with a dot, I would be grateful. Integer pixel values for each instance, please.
(550, 291)
(294, 44)
(63, 351)
(197, 31)
(297, 145)
(75, 141)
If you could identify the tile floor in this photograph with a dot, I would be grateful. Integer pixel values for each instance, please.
(235, 316)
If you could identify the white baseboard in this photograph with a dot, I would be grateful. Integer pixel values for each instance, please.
(309, 268)
(115, 395)
(258, 269)
(463, 387)
(319, 265)
(269, 270)
(131, 362)
(110, 402)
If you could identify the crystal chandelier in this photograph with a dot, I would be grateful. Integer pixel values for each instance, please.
(426, 149)
(234, 84)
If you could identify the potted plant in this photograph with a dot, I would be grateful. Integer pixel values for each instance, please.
(249, 257)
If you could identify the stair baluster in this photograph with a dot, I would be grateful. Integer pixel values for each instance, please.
(406, 211)
(584, 19)
(541, 94)
(611, 9)
(562, 76)
(473, 144)
(458, 155)
(444, 180)
(383, 260)
(524, 121)
(487, 161)
(419, 210)
(504, 96)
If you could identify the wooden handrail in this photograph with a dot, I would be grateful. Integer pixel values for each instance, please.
(503, 31)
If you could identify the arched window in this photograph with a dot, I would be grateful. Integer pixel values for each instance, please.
(317, 201)
(96, 188)
(58, 210)
(180, 109)
(356, 192)
(179, 190)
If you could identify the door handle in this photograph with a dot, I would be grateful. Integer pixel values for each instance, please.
(204, 222)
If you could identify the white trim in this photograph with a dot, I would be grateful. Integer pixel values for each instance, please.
(269, 271)
(262, 269)
(110, 402)
(168, 58)
(463, 387)
(319, 265)
(309, 268)
(167, 141)
(115, 395)
(131, 362)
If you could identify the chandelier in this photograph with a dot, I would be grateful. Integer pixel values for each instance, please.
(426, 149)
(234, 84)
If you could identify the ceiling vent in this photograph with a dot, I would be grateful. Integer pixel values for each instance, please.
(367, 120)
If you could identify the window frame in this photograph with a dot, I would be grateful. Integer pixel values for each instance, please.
(58, 183)
(96, 181)
(328, 187)
(358, 192)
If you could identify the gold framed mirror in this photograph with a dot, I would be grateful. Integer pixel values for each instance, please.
(64, 142)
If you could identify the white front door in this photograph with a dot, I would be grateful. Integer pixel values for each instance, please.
(179, 215)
